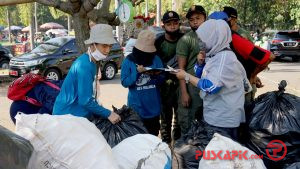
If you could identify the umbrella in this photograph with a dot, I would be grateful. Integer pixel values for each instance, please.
(13, 28)
(26, 29)
(62, 32)
(51, 25)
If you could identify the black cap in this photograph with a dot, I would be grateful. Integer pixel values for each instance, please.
(170, 16)
(195, 9)
(231, 12)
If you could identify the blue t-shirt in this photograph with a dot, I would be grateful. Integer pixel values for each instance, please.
(143, 96)
(76, 94)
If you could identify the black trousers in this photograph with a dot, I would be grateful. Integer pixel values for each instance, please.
(169, 104)
(227, 132)
(152, 125)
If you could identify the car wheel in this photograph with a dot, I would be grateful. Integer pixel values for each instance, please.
(109, 71)
(4, 64)
(53, 74)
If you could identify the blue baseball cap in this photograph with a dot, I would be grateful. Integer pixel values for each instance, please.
(218, 15)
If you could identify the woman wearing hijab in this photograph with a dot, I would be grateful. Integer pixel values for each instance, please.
(143, 96)
(221, 77)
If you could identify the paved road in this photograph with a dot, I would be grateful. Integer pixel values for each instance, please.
(112, 93)
(283, 70)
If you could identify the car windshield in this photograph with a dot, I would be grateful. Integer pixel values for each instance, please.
(50, 46)
(288, 35)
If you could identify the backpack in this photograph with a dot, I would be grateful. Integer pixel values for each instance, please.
(18, 89)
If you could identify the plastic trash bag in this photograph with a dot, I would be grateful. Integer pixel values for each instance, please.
(185, 148)
(129, 125)
(293, 166)
(64, 142)
(276, 116)
(15, 151)
(142, 151)
(229, 149)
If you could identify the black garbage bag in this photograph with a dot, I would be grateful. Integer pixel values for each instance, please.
(293, 166)
(130, 125)
(15, 151)
(276, 116)
(185, 148)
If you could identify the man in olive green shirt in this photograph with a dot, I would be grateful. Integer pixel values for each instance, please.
(166, 49)
(190, 105)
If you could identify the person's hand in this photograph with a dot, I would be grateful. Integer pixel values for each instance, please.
(180, 74)
(258, 83)
(201, 57)
(141, 68)
(185, 99)
(114, 118)
(252, 80)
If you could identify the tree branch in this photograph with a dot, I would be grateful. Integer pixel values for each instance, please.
(89, 5)
(60, 5)
(99, 16)
(105, 6)
(137, 2)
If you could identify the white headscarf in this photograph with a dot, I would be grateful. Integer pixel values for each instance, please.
(215, 34)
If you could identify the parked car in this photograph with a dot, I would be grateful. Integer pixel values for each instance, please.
(54, 58)
(284, 43)
(5, 56)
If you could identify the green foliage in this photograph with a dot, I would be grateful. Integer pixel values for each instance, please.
(26, 11)
(252, 14)
(3, 19)
(57, 13)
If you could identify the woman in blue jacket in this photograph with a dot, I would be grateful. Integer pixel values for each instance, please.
(143, 96)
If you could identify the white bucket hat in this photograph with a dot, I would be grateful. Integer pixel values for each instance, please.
(101, 33)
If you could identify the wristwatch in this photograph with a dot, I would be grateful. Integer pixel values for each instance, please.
(187, 78)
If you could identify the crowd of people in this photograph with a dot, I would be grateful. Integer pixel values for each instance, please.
(215, 75)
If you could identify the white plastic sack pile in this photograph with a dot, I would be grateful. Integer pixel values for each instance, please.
(64, 142)
(142, 151)
(219, 142)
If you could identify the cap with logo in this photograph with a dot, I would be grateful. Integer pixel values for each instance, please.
(170, 16)
(195, 9)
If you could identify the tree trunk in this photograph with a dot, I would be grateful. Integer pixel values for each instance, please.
(158, 12)
(117, 27)
(8, 23)
(69, 23)
(13, 2)
(81, 27)
(147, 8)
(35, 17)
(31, 31)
